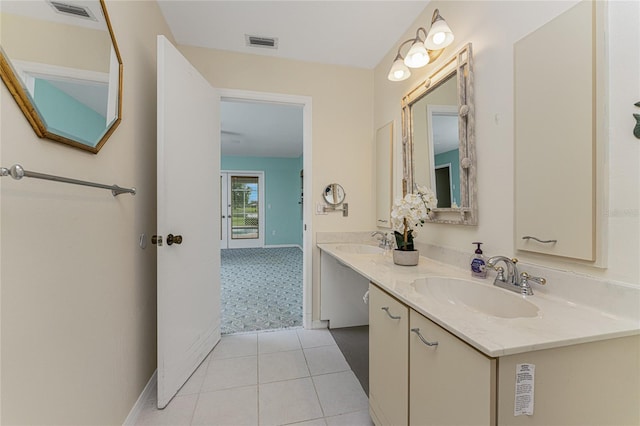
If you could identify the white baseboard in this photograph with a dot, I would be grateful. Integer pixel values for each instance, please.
(283, 246)
(132, 418)
(319, 324)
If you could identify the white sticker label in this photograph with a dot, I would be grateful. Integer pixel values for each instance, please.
(525, 378)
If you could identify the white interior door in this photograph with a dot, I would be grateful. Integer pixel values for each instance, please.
(188, 206)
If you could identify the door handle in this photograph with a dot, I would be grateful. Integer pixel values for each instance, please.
(171, 239)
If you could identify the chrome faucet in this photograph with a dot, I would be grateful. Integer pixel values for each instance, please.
(385, 241)
(514, 281)
(512, 269)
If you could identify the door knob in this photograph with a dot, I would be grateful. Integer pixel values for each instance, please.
(171, 239)
(156, 239)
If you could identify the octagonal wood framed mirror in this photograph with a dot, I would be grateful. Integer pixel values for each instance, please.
(61, 63)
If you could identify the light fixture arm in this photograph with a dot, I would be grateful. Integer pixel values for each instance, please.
(399, 54)
(436, 17)
(412, 40)
(418, 34)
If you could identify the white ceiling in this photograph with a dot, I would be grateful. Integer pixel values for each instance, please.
(352, 33)
(339, 32)
(261, 129)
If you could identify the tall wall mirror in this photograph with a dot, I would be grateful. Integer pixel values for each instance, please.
(439, 139)
(384, 175)
(61, 63)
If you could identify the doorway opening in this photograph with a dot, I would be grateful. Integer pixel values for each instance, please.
(265, 280)
(444, 192)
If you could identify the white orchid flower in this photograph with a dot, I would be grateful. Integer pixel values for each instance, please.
(413, 209)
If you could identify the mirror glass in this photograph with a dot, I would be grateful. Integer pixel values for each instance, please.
(61, 63)
(439, 142)
(384, 175)
(334, 194)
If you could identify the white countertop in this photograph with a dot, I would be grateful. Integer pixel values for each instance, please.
(559, 322)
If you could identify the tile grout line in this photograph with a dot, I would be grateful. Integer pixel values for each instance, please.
(312, 382)
(208, 359)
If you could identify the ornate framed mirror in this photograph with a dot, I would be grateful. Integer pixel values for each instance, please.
(438, 137)
(61, 63)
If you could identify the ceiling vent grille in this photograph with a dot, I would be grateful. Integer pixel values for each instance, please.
(72, 10)
(265, 42)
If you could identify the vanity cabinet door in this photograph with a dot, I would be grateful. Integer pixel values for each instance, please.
(388, 359)
(558, 120)
(451, 383)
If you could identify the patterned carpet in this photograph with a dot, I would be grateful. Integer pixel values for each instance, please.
(261, 289)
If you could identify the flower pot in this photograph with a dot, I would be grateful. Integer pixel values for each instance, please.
(406, 257)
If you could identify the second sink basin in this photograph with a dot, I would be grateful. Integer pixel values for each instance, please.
(359, 249)
(476, 297)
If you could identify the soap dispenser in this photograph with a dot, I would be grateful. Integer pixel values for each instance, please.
(478, 264)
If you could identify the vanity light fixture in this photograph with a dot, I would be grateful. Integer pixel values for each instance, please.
(437, 38)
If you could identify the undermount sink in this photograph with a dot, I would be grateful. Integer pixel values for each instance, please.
(476, 297)
(359, 249)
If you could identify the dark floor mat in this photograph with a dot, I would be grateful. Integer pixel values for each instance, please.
(354, 344)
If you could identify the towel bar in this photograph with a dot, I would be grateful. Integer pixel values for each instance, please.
(18, 172)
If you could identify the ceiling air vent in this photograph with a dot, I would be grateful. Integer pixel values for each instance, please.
(72, 10)
(257, 41)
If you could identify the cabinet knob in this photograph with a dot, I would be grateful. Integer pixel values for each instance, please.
(425, 341)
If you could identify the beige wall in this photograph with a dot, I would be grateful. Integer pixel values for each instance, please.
(343, 132)
(493, 27)
(53, 43)
(78, 295)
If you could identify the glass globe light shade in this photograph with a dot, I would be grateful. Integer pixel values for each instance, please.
(440, 35)
(399, 71)
(417, 56)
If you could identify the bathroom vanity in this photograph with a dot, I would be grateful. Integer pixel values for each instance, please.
(447, 349)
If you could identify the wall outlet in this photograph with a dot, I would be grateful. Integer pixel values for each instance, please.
(273, 232)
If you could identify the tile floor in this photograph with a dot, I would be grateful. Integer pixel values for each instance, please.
(287, 377)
